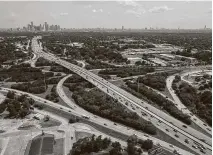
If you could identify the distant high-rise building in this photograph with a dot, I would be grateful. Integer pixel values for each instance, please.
(205, 27)
(58, 27)
(28, 27)
(46, 26)
(40, 27)
(122, 27)
(32, 26)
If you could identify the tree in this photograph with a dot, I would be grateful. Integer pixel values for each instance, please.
(131, 149)
(137, 63)
(116, 150)
(11, 95)
(147, 144)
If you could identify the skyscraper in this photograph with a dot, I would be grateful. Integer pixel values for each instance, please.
(46, 26)
(32, 27)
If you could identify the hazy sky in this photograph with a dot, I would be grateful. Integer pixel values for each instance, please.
(108, 14)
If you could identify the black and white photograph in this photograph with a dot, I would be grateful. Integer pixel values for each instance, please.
(121, 77)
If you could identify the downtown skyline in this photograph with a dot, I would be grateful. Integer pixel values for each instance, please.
(109, 14)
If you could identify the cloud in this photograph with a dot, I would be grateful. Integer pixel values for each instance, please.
(134, 7)
(63, 14)
(159, 9)
(88, 6)
(99, 10)
(137, 12)
(128, 3)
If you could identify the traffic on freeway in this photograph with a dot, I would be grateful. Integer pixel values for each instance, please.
(164, 122)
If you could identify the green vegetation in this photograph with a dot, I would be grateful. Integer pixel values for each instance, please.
(156, 81)
(17, 106)
(53, 96)
(103, 105)
(89, 145)
(36, 87)
(8, 50)
(74, 79)
(199, 103)
(43, 62)
(135, 145)
(59, 69)
(203, 55)
(150, 95)
(24, 73)
(75, 82)
(96, 64)
(106, 77)
(127, 71)
(53, 80)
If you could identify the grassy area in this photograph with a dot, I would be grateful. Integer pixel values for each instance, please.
(51, 123)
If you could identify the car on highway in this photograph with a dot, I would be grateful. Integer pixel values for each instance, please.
(208, 129)
(146, 135)
(115, 124)
(85, 116)
(105, 124)
(186, 141)
(175, 130)
(171, 123)
(184, 126)
(194, 146)
(203, 140)
(171, 146)
(167, 130)
(201, 150)
(144, 114)
(176, 136)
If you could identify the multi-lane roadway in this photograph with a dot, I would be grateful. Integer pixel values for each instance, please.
(100, 121)
(163, 121)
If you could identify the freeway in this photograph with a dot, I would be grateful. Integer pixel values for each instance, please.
(167, 122)
(101, 121)
(181, 106)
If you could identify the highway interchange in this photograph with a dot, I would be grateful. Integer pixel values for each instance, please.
(161, 120)
(156, 116)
